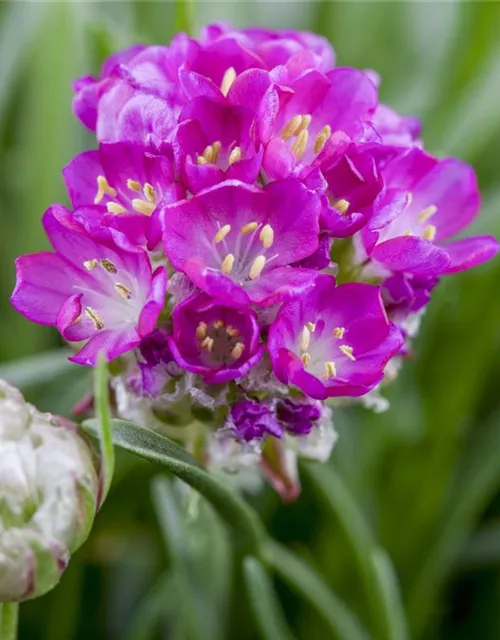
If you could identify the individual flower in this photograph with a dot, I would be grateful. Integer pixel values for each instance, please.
(236, 242)
(407, 294)
(214, 142)
(91, 289)
(442, 199)
(156, 363)
(333, 341)
(214, 340)
(395, 129)
(129, 182)
(48, 496)
(298, 418)
(252, 420)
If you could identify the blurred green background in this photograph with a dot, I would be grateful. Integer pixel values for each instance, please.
(425, 475)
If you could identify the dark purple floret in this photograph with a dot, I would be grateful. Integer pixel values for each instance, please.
(254, 420)
(298, 418)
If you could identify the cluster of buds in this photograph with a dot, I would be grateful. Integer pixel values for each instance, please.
(254, 235)
(48, 496)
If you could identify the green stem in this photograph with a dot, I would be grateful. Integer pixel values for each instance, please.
(9, 614)
(184, 16)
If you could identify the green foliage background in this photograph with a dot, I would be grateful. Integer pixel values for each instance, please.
(425, 475)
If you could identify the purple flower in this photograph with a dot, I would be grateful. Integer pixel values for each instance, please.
(214, 143)
(236, 241)
(252, 420)
(91, 289)
(395, 129)
(157, 365)
(406, 294)
(129, 182)
(214, 340)
(298, 418)
(442, 199)
(333, 341)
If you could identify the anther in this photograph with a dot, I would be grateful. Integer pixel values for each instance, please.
(237, 352)
(133, 185)
(256, 269)
(311, 326)
(201, 160)
(201, 331)
(427, 213)
(407, 232)
(108, 265)
(95, 317)
(348, 352)
(266, 236)
(219, 324)
(227, 264)
(341, 205)
(430, 232)
(322, 138)
(150, 193)
(248, 228)
(290, 128)
(114, 207)
(103, 188)
(222, 233)
(338, 332)
(306, 358)
(330, 370)
(208, 344)
(305, 122)
(141, 206)
(123, 291)
(90, 264)
(216, 147)
(235, 155)
(232, 332)
(305, 339)
(227, 80)
(300, 144)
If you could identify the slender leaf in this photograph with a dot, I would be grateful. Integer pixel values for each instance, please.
(264, 602)
(184, 16)
(103, 422)
(37, 369)
(302, 578)
(157, 448)
(156, 606)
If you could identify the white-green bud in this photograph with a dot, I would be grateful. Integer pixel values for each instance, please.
(48, 496)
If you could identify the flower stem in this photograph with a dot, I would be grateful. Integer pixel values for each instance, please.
(184, 16)
(9, 613)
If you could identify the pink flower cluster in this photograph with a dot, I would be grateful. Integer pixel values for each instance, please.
(238, 180)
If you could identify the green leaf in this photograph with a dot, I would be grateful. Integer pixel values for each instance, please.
(156, 606)
(184, 16)
(379, 581)
(157, 448)
(264, 602)
(37, 369)
(9, 614)
(302, 579)
(103, 422)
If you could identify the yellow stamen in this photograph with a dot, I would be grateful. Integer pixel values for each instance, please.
(133, 185)
(256, 269)
(216, 147)
(341, 205)
(235, 155)
(208, 344)
(338, 332)
(201, 160)
(218, 324)
(232, 332)
(306, 358)
(150, 193)
(305, 339)
(430, 232)
(322, 138)
(330, 370)
(103, 188)
(227, 264)
(90, 264)
(248, 228)
(305, 122)
(201, 331)
(114, 207)
(141, 206)
(311, 326)
(237, 352)
(208, 153)
(108, 265)
(427, 213)
(227, 80)
(266, 236)
(222, 233)
(347, 351)
(95, 317)
(300, 144)
(407, 232)
(123, 291)
(290, 128)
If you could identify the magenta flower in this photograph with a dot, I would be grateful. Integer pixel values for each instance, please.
(395, 129)
(333, 341)
(236, 242)
(298, 418)
(252, 420)
(92, 290)
(442, 199)
(214, 143)
(128, 182)
(214, 340)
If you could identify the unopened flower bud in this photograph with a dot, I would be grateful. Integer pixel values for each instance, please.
(48, 496)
